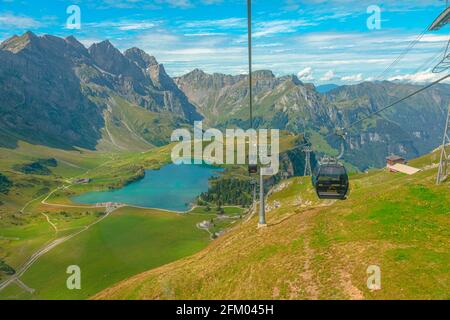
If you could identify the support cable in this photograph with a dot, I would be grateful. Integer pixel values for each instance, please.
(398, 101)
(403, 53)
(250, 82)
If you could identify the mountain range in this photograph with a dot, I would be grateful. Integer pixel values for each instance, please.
(412, 128)
(56, 92)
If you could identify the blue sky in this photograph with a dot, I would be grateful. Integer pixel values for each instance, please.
(321, 41)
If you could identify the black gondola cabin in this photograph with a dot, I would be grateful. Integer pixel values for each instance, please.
(331, 181)
(252, 168)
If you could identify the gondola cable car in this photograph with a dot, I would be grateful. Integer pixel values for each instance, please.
(330, 178)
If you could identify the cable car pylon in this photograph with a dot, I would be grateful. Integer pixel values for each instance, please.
(444, 163)
(443, 170)
(253, 168)
(307, 150)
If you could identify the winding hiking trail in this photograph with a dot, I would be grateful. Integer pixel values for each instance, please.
(50, 222)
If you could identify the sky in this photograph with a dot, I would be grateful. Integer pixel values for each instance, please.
(320, 41)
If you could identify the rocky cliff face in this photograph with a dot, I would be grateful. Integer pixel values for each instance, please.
(41, 97)
(54, 91)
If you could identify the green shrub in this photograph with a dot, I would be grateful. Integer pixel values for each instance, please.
(5, 184)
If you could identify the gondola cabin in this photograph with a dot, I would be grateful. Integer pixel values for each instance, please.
(331, 181)
(252, 168)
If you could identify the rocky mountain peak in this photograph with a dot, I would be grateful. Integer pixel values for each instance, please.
(30, 36)
(104, 49)
(196, 75)
(159, 76)
(292, 78)
(141, 58)
(263, 74)
(110, 59)
(197, 72)
(16, 43)
(72, 41)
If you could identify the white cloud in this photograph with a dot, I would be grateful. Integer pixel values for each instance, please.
(353, 78)
(274, 27)
(146, 4)
(268, 45)
(434, 38)
(306, 74)
(125, 25)
(356, 5)
(187, 3)
(419, 77)
(329, 75)
(220, 23)
(137, 26)
(177, 3)
(205, 34)
(209, 2)
(9, 20)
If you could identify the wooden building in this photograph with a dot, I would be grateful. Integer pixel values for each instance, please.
(393, 159)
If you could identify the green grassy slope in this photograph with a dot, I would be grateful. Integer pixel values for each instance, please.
(132, 128)
(321, 250)
(23, 226)
(128, 242)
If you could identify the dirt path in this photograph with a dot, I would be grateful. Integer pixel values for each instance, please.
(111, 137)
(50, 222)
(205, 229)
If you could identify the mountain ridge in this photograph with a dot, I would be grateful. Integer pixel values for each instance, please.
(81, 84)
(78, 83)
(411, 129)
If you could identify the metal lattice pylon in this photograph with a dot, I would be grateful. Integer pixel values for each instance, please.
(442, 20)
(307, 151)
(444, 163)
(444, 64)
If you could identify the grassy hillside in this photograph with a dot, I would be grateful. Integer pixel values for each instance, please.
(321, 250)
(128, 242)
(23, 224)
(132, 128)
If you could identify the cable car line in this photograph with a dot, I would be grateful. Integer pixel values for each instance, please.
(444, 63)
(249, 22)
(342, 131)
(403, 53)
(428, 63)
(330, 178)
(252, 168)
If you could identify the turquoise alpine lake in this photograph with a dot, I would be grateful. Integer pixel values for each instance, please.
(173, 187)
